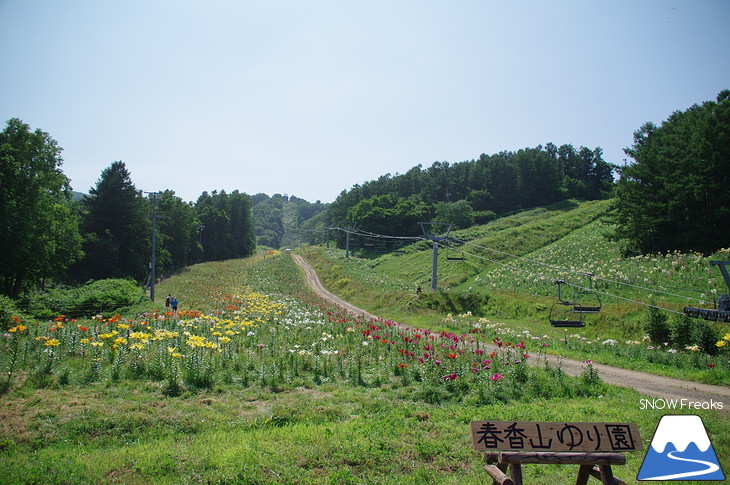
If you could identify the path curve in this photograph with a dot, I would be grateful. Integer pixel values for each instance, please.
(717, 397)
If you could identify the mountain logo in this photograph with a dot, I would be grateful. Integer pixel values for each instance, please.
(680, 450)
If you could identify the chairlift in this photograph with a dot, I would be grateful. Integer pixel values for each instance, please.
(722, 303)
(455, 258)
(590, 296)
(398, 247)
(560, 318)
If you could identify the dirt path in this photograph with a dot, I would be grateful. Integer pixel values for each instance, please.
(648, 384)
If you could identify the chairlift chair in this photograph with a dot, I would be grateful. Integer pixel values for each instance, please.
(556, 322)
(590, 295)
(722, 303)
(553, 317)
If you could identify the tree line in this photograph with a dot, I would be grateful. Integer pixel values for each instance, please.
(672, 194)
(474, 191)
(47, 236)
(285, 220)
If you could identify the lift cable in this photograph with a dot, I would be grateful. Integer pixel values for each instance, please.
(582, 273)
(578, 287)
(362, 233)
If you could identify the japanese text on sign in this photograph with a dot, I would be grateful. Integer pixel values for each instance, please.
(559, 436)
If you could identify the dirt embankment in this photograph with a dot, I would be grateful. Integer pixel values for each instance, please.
(648, 384)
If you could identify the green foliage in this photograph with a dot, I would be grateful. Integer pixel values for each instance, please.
(8, 310)
(285, 221)
(682, 332)
(458, 213)
(103, 297)
(39, 236)
(706, 337)
(388, 214)
(501, 183)
(452, 301)
(227, 225)
(178, 233)
(674, 194)
(656, 326)
(116, 229)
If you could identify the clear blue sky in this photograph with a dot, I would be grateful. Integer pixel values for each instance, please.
(309, 98)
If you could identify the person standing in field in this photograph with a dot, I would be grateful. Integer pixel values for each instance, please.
(174, 303)
(168, 300)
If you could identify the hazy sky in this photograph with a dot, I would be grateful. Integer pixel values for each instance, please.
(309, 98)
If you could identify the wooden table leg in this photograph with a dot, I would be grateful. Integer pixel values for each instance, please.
(583, 473)
(515, 473)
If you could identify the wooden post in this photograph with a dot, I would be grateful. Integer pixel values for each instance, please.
(515, 472)
(584, 472)
(498, 476)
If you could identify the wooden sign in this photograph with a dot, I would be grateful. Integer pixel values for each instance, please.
(555, 437)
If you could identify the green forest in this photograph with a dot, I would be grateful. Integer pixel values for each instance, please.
(670, 195)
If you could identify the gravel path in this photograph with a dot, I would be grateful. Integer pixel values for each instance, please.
(718, 397)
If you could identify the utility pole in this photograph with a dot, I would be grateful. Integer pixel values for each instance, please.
(431, 234)
(153, 263)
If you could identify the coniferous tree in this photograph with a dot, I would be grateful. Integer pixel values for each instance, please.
(674, 195)
(116, 229)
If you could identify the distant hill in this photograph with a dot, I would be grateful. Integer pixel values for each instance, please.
(284, 221)
(77, 196)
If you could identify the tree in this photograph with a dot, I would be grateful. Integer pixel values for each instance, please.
(459, 213)
(228, 230)
(240, 210)
(116, 228)
(178, 232)
(39, 233)
(389, 214)
(674, 195)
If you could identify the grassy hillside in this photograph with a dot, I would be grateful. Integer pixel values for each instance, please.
(517, 234)
(508, 275)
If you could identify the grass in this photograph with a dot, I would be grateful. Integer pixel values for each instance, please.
(330, 434)
(295, 396)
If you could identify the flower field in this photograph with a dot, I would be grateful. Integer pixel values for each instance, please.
(684, 278)
(257, 380)
(254, 323)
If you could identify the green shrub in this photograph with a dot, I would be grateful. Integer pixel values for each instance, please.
(656, 326)
(8, 310)
(453, 301)
(682, 332)
(104, 297)
(706, 337)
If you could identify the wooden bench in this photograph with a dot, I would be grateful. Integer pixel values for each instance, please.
(595, 447)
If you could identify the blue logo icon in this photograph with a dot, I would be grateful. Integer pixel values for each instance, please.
(680, 450)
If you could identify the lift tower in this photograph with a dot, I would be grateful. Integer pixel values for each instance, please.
(435, 232)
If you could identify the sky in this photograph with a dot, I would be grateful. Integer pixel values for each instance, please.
(309, 98)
